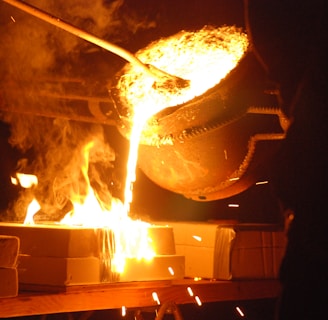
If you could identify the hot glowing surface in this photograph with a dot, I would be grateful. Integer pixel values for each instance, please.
(203, 57)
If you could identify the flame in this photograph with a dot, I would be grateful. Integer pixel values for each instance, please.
(203, 57)
(130, 237)
(32, 209)
(25, 180)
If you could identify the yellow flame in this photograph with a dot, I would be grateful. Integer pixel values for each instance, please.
(32, 209)
(203, 57)
(130, 237)
(25, 180)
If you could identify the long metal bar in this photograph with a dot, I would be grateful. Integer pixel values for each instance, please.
(125, 54)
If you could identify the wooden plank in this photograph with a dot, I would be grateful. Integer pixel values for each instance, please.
(136, 295)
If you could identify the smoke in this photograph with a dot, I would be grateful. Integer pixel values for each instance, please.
(30, 46)
(57, 160)
(32, 54)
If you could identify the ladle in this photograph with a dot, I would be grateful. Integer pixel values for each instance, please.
(162, 79)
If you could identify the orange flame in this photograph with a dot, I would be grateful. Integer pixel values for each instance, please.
(27, 181)
(130, 237)
(204, 58)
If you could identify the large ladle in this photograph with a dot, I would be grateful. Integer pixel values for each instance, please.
(161, 78)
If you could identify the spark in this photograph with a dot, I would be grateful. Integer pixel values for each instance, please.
(14, 181)
(198, 238)
(261, 182)
(123, 311)
(12, 18)
(155, 297)
(171, 271)
(234, 179)
(191, 293)
(225, 154)
(240, 312)
(198, 301)
(233, 205)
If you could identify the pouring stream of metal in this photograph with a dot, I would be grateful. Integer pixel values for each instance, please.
(164, 79)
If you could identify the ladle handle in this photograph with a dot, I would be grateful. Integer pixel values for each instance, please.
(128, 56)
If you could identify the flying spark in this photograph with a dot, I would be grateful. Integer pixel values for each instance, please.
(155, 297)
(241, 313)
(191, 293)
(198, 301)
(261, 182)
(198, 238)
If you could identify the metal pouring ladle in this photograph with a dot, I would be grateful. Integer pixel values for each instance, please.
(162, 79)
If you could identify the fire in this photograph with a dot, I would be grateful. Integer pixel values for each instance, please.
(32, 209)
(122, 237)
(203, 57)
(130, 237)
(25, 180)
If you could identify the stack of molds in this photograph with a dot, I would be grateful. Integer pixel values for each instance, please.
(230, 251)
(9, 249)
(53, 255)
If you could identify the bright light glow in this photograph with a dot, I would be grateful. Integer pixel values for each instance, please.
(198, 301)
(261, 182)
(198, 238)
(28, 181)
(130, 238)
(203, 57)
(241, 313)
(155, 298)
(32, 209)
(25, 180)
(197, 278)
(234, 179)
(191, 293)
(123, 311)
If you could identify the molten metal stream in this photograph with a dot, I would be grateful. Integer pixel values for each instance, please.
(164, 79)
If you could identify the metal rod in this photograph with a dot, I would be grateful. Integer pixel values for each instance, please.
(125, 54)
